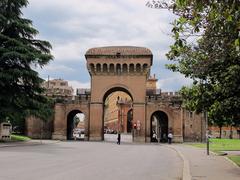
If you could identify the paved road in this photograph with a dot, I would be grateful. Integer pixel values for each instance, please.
(90, 161)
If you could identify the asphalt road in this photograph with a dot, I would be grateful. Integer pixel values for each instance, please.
(90, 161)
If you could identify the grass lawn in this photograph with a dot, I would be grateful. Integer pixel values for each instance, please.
(219, 145)
(19, 138)
(235, 159)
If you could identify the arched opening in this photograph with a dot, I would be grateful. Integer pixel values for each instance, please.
(75, 125)
(138, 67)
(105, 68)
(145, 67)
(111, 69)
(131, 68)
(125, 68)
(129, 121)
(118, 69)
(159, 126)
(117, 115)
(98, 67)
(91, 67)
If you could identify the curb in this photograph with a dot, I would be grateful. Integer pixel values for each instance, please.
(27, 143)
(232, 162)
(186, 175)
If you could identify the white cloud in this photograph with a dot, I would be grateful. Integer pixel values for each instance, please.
(61, 68)
(173, 83)
(74, 26)
(78, 84)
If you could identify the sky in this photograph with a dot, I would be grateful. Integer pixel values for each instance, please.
(74, 26)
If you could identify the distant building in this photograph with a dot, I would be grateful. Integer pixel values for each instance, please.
(57, 87)
(152, 85)
(114, 113)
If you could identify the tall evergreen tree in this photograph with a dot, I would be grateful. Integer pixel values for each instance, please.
(20, 51)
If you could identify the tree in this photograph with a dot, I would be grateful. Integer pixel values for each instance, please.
(207, 49)
(20, 84)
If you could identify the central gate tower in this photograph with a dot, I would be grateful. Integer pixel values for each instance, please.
(118, 68)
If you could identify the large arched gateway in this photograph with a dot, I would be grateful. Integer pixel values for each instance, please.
(126, 70)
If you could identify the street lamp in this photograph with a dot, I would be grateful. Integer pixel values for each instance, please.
(206, 118)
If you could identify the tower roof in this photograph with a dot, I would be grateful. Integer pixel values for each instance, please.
(119, 50)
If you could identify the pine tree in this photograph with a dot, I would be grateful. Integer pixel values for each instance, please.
(20, 51)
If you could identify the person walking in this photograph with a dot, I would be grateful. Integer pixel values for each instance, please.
(170, 136)
(119, 138)
(154, 137)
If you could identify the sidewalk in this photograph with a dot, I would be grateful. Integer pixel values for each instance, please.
(26, 143)
(210, 167)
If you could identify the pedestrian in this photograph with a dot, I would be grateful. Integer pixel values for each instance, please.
(119, 138)
(154, 137)
(170, 136)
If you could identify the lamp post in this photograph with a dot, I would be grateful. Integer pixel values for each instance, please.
(205, 117)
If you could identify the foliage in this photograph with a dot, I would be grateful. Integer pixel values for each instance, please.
(20, 85)
(207, 49)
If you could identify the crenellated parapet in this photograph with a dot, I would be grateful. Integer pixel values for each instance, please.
(79, 99)
(172, 99)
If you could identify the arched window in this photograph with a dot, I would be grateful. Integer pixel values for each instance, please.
(105, 67)
(118, 69)
(125, 68)
(111, 68)
(131, 68)
(91, 67)
(145, 67)
(98, 67)
(138, 67)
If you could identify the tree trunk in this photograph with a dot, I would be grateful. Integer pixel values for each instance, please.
(231, 132)
(220, 132)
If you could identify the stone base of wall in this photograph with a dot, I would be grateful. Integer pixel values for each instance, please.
(139, 139)
(95, 138)
(58, 137)
(148, 139)
(177, 139)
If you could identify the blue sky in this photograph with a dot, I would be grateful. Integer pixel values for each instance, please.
(74, 26)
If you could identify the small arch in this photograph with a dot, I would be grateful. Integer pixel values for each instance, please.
(118, 69)
(125, 68)
(144, 67)
(138, 67)
(91, 67)
(105, 67)
(98, 67)
(111, 68)
(71, 123)
(131, 67)
(129, 120)
(159, 125)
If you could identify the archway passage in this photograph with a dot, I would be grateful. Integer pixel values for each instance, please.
(129, 121)
(117, 115)
(159, 126)
(75, 125)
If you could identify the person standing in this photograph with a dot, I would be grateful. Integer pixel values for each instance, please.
(119, 138)
(170, 136)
